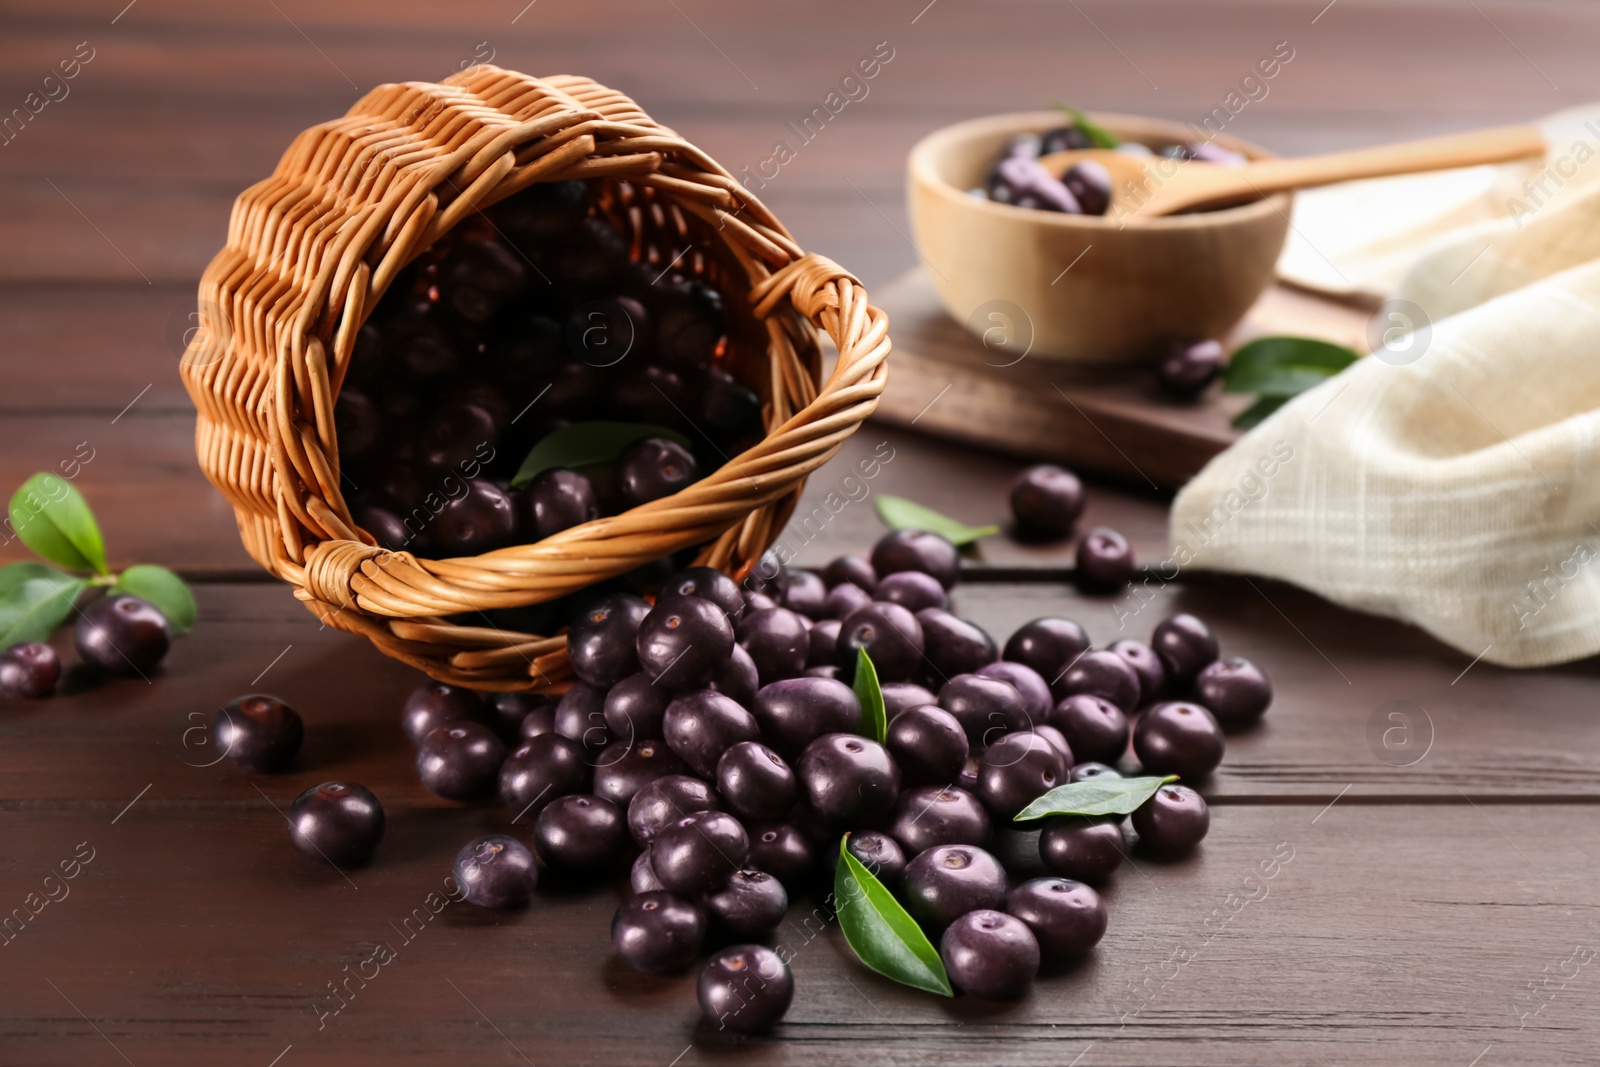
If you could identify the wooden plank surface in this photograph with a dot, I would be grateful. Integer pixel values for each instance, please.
(1439, 912)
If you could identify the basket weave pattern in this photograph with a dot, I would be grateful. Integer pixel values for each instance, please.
(312, 249)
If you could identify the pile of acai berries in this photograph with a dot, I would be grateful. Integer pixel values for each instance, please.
(716, 741)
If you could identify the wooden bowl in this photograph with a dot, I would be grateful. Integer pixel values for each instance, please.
(1083, 288)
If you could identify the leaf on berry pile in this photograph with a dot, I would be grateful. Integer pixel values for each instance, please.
(880, 932)
(12, 575)
(584, 444)
(1098, 796)
(54, 520)
(1257, 413)
(1098, 135)
(32, 610)
(874, 716)
(163, 589)
(898, 513)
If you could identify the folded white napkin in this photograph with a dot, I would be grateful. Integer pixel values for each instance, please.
(1453, 479)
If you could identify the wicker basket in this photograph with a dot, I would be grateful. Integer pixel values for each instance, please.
(311, 250)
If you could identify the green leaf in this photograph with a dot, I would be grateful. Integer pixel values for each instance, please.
(14, 574)
(898, 513)
(1284, 366)
(33, 610)
(874, 720)
(163, 589)
(1098, 135)
(880, 932)
(1257, 413)
(584, 444)
(1097, 796)
(54, 520)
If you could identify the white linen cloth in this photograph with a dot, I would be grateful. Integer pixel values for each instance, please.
(1453, 478)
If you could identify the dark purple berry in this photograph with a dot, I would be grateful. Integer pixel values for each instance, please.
(1234, 690)
(258, 732)
(600, 644)
(634, 708)
(700, 726)
(751, 904)
(755, 782)
(823, 639)
(557, 499)
(581, 833)
(541, 720)
(602, 333)
(683, 641)
(1016, 770)
(1187, 367)
(619, 778)
(1047, 645)
(737, 678)
(641, 876)
(709, 584)
(847, 778)
(1094, 727)
(29, 671)
(985, 707)
(1063, 139)
(912, 590)
(699, 852)
(1034, 690)
(453, 439)
(658, 932)
(1067, 918)
(1102, 674)
(1186, 646)
(947, 881)
(746, 988)
(479, 520)
(1090, 184)
(654, 468)
(916, 550)
(878, 853)
(338, 823)
(580, 715)
(460, 761)
(1178, 738)
(439, 704)
(1086, 850)
(782, 851)
(1105, 561)
(1046, 501)
(990, 954)
(844, 600)
(1057, 740)
(953, 645)
(496, 871)
(899, 696)
(1173, 821)
(1091, 771)
(891, 635)
(122, 635)
(807, 595)
(937, 815)
(778, 641)
(796, 711)
(506, 712)
(1147, 665)
(543, 768)
(665, 801)
(928, 744)
(852, 569)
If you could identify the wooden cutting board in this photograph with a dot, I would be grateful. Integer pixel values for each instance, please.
(1111, 421)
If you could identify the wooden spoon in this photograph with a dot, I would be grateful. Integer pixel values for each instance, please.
(1151, 186)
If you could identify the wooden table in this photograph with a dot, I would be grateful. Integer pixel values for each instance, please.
(1443, 912)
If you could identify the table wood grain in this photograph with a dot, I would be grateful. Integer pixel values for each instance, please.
(1441, 912)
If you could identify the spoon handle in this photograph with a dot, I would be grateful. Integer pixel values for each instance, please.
(1497, 145)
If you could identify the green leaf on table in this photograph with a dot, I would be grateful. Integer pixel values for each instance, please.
(584, 444)
(1096, 796)
(33, 610)
(163, 589)
(898, 513)
(880, 932)
(1257, 413)
(54, 520)
(1283, 367)
(874, 716)
(12, 575)
(1098, 135)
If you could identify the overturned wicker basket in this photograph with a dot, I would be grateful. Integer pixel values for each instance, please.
(312, 249)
